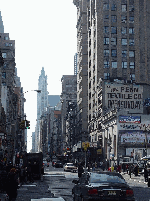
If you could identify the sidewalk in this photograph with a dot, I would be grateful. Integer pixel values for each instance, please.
(139, 178)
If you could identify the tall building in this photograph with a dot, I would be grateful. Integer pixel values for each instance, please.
(118, 65)
(42, 104)
(1, 24)
(75, 64)
(82, 69)
(68, 95)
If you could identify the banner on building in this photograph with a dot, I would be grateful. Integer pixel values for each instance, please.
(133, 137)
(128, 97)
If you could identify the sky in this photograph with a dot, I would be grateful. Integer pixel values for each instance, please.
(45, 36)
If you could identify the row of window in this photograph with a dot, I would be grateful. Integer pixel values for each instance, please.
(107, 76)
(124, 53)
(114, 30)
(114, 41)
(123, 18)
(123, 7)
(114, 64)
(8, 44)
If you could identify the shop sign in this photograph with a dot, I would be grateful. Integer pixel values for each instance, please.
(130, 119)
(133, 137)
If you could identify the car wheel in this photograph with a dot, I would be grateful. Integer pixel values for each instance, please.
(64, 170)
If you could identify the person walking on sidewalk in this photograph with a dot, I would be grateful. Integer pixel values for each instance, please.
(12, 185)
(146, 174)
(130, 170)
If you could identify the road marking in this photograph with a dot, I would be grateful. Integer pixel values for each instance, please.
(54, 175)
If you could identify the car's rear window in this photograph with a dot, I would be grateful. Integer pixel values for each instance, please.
(101, 178)
(70, 164)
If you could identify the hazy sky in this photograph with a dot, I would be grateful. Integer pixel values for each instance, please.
(45, 36)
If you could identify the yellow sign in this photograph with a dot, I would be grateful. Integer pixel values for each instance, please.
(99, 151)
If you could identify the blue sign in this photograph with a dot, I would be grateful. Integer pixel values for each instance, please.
(130, 119)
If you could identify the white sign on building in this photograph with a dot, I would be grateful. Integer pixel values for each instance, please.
(129, 97)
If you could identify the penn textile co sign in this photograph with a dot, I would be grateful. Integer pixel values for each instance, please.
(124, 96)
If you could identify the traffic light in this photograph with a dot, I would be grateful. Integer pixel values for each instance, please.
(27, 124)
(22, 124)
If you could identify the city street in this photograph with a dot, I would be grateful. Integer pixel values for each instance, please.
(57, 182)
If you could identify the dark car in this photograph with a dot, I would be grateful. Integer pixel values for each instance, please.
(59, 164)
(102, 186)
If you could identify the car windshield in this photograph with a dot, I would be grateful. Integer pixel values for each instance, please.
(103, 178)
(70, 164)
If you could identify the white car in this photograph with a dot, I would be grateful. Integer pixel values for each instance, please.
(70, 167)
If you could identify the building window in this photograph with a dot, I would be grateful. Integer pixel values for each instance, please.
(132, 65)
(106, 29)
(106, 64)
(106, 76)
(113, 41)
(4, 83)
(131, 8)
(106, 52)
(131, 42)
(124, 30)
(113, 30)
(124, 8)
(4, 75)
(114, 64)
(5, 65)
(113, 53)
(124, 53)
(113, 7)
(124, 19)
(131, 19)
(106, 41)
(6, 38)
(113, 18)
(124, 41)
(124, 64)
(131, 54)
(4, 55)
(106, 7)
(106, 17)
(132, 76)
(6, 44)
(131, 30)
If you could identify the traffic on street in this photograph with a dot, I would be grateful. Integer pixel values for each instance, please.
(57, 184)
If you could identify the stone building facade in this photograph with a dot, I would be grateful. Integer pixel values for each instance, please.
(69, 95)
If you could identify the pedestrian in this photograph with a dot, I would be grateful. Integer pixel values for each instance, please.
(22, 175)
(130, 170)
(119, 168)
(12, 185)
(127, 167)
(80, 170)
(89, 167)
(112, 168)
(29, 173)
(124, 167)
(93, 167)
(136, 170)
(115, 167)
(146, 174)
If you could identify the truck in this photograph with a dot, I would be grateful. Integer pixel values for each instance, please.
(34, 161)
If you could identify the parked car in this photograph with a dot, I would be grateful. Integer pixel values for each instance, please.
(59, 164)
(69, 167)
(102, 186)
